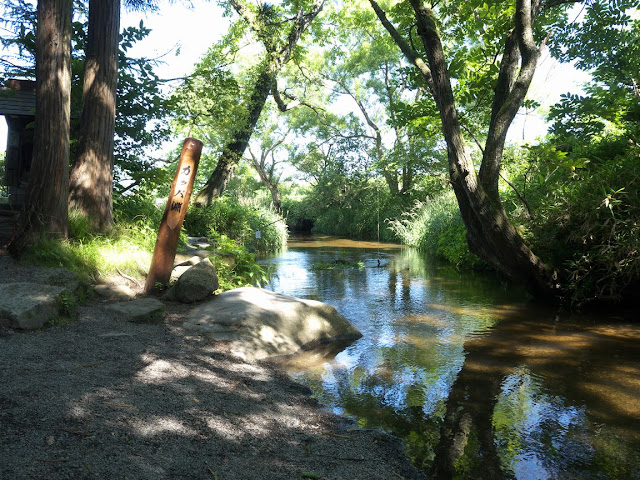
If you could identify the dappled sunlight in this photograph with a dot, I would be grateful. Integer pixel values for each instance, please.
(120, 253)
(162, 425)
(496, 312)
(162, 371)
(220, 426)
(618, 387)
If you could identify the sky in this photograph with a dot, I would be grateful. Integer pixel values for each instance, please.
(189, 31)
(174, 26)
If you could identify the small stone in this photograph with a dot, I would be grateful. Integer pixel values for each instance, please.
(190, 262)
(50, 440)
(143, 310)
(63, 278)
(118, 292)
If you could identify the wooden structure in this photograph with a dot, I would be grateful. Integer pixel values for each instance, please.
(17, 105)
(164, 252)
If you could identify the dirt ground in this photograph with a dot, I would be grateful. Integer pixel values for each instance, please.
(98, 397)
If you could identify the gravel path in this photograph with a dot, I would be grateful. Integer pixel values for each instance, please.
(102, 398)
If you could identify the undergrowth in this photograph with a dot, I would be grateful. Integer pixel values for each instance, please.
(128, 248)
(257, 228)
(436, 228)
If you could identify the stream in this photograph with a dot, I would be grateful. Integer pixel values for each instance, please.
(478, 380)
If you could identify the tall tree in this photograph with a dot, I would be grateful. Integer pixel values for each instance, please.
(91, 182)
(46, 207)
(490, 233)
(279, 42)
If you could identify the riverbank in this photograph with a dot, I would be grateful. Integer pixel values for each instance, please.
(98, 397)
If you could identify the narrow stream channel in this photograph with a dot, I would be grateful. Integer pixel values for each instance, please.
(480, 382)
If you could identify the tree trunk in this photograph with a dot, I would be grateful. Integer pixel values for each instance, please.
(276, 57)
(235, 149)
(407, 178)
(218, 181)
(91, 183)
(391, 177)
(490, 234)
(46, 208)
(269, 182)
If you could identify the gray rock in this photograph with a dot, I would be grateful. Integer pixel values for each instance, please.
(28, 305)
(260, 324)
(170, 294)
(189, 262)
(142, 310)
(196, 240)
(63, 278)
(177, 272)
(118, 292)
(197, 283)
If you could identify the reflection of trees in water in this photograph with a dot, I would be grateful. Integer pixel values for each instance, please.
(528, 399)
(500, 422)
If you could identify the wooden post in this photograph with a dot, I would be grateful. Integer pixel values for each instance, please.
(164, 252)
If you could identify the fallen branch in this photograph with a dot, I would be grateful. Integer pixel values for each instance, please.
(127, 277)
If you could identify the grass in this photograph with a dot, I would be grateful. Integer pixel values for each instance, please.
(128, 249)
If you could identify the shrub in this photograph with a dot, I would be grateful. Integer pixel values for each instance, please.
(360, 214)
(239, 222)
(585, 208)
(241, 271)
(127, 249)
(436, 228)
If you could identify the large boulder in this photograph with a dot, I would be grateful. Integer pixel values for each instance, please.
(258, 323)
(195, 284)
(29, 306)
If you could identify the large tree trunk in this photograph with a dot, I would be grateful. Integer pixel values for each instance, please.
(391, 177)
(91, 183)
(235, 149)
(490, 234)
(46, 208)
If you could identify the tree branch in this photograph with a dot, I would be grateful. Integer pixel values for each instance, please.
(302, 22)
(517, 192)
(410, 54)
(295, 101)
(509, 98)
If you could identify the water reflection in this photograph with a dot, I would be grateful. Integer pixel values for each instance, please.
(479, 383)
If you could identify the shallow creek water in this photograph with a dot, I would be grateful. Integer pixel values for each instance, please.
(479, 381)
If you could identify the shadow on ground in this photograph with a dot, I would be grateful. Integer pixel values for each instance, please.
(104, 398)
